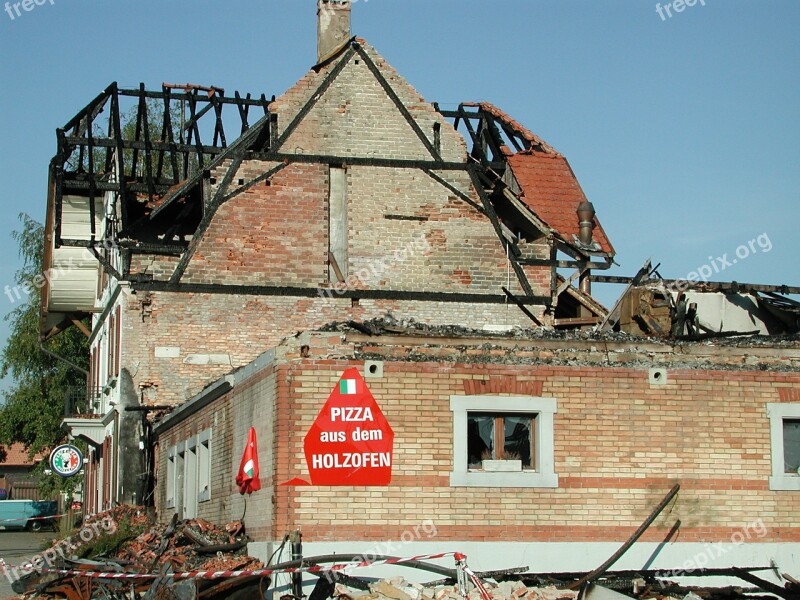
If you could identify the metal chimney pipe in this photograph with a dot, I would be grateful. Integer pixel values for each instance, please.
(586, 215)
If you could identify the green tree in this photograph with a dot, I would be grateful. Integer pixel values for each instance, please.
(34, 405)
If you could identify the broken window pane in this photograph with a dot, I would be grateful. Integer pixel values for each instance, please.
(791, 445)
(480, 438)
(498, 436)
(518, 438)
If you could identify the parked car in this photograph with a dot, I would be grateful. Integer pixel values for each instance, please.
(33, 515)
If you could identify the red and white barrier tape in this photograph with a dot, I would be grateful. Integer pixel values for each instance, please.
(240, 573)
(26, 519)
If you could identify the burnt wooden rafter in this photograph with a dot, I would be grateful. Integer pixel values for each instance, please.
(455, 190)
(93, 159)
(255, 181)
(484, 127)
(235, 152)
(315, 292)
(514, 252)
(167, 167)
(314, 98)
(215, 203)
(484, 135)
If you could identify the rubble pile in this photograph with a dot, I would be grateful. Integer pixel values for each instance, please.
(400, 589)
(190, 545)
(142, 545)
(128, 540)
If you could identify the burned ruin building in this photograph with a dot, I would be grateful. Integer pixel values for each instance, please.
(236, 253)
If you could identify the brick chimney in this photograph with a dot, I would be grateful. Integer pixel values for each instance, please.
(333, 27)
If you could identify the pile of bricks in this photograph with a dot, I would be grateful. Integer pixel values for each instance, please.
(189, 545)
(400, 589)
(159, 548)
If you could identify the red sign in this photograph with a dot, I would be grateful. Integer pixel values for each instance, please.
(351, 441)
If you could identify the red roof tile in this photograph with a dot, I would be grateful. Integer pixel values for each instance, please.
(551, 190)
(17, 456)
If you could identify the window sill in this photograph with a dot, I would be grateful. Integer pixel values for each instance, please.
(204, 497)
(523, 479)
(500, 466)
(787, 483)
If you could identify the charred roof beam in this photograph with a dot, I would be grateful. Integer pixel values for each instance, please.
(137, 159)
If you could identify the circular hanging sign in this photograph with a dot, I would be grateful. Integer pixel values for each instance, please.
(66, 460)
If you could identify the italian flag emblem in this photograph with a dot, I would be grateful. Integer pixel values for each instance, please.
(347, 387)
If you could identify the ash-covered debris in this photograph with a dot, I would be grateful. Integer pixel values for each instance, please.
(388, 325)
(411, 341)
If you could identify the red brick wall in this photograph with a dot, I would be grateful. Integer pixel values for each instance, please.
(273, 234)
(230, 417)
(620, 445)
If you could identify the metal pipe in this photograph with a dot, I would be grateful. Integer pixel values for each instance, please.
(585, 283)
(296, 539)
(586, 214)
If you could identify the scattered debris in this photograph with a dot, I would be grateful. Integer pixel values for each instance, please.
(137, 544)
(134, 557)
(400, 589)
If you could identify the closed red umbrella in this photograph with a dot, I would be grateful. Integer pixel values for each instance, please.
(247, 478)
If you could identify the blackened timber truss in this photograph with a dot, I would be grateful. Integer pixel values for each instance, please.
(159, 147)
(161, 157)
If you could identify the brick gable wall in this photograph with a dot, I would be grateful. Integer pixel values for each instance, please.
(277, 234)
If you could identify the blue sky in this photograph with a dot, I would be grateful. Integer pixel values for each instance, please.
(682, 130)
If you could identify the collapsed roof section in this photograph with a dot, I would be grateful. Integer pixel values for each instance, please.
(533, 185)
(135, 173)
(652, 306)
(127, 175)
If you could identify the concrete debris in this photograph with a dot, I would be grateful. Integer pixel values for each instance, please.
(388, 325)
(400, 589)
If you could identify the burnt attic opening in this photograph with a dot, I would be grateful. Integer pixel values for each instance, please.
(138, 162)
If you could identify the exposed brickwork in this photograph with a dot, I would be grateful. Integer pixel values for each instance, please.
(620, 444)
(236, 329)
(502, 385)
(277, 234)
(270, 235)
(229, 418)
(789, 394)
(356, 117)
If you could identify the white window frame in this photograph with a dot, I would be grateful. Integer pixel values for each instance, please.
(543, 409)
(777, 413)
(190, 496)
(171, 476)
(180, 477)
(204, 466)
